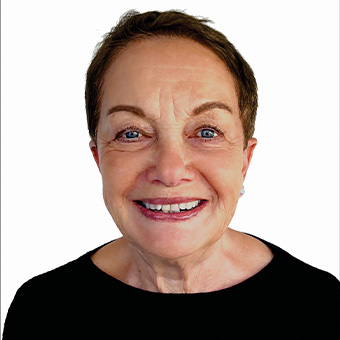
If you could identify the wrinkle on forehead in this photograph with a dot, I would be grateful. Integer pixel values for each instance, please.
(168, 74)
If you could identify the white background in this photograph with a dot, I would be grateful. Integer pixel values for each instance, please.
(52, 207)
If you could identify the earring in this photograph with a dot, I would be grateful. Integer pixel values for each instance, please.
(242, 191)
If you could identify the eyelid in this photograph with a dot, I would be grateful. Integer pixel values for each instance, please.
(212, 127)
(119, 133)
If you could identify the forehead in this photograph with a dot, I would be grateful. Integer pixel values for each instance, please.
(180, 67)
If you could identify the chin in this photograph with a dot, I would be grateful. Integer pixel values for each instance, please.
(172, 236)
(169, 241)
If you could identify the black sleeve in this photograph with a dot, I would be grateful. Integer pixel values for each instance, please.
(34, 313)
(21, 315)
(332, 311)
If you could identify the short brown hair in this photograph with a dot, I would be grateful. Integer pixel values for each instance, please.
(134, 26)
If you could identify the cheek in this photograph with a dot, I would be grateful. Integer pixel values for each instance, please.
(223, 173)
(119, 173)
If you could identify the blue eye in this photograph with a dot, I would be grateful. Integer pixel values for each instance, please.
(132, 134)
(207, 133)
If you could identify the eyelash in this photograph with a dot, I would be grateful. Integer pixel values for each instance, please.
(216, 128)
(119, 134)
(128, 129)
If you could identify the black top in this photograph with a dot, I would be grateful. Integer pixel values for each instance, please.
(288, 299)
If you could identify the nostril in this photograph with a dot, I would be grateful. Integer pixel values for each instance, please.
(170, 165)
(171, 176)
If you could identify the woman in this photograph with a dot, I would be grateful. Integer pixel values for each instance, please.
(171, 108)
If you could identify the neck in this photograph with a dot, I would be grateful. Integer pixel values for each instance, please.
(200, 272)
(232, 259)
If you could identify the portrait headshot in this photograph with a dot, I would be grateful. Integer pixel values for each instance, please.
(170, 169)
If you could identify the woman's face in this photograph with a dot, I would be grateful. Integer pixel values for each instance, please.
(170, 146)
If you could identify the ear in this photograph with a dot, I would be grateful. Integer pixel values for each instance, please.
(94, 151)
(247, 155)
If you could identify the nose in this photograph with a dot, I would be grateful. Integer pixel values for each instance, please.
(171, 165)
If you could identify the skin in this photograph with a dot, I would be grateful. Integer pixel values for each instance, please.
(168, 157)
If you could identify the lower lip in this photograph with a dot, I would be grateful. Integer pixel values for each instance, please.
(171, 217)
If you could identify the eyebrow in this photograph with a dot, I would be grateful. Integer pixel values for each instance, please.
(210, 106)
(197, 110)
(128, 108)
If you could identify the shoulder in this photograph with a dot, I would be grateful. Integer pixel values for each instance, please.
(307, 284)
(69, 273)
(301, 271)
(311, 295)
(318, 284)
(295, 270)
(53, 286)
(50, 299)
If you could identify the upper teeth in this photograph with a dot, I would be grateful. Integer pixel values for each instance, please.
(172, 208)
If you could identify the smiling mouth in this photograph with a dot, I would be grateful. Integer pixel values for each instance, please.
(174, 208)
